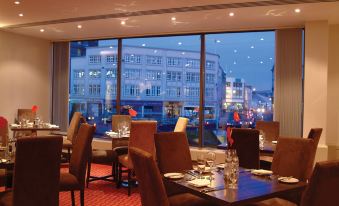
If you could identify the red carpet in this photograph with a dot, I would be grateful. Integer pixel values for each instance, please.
(102, 193)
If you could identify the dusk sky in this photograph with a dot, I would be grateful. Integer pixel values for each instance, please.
(248, 55)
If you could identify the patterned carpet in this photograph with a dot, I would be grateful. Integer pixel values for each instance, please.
(102, 193)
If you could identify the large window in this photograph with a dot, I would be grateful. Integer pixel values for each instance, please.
(243, 76)
(161, 80)
(93, 85)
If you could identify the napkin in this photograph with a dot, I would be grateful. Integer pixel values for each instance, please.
(112, 134)
(199, 182)
(15, 125)
(261, 172)
(53, 126)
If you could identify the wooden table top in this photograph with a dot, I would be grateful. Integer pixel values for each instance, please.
(34, 128)
(251, 188)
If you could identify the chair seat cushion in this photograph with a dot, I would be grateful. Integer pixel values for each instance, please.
(273, 201)
(187, 199)
(104, 156)
(66, 143)
(6, 198)
(123, 159)
(68, 182)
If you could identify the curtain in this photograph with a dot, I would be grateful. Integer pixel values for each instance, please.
(60, 87)
(288, 85)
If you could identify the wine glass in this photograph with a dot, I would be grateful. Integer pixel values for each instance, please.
(210, 159)
(201, 164)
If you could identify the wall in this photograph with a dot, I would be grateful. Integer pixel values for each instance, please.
(25, 75)
(321, 98)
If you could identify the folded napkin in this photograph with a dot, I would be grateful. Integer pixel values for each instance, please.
(14, 125)
(53, 126)
(261, 172)
(199, 182)
(112, 134)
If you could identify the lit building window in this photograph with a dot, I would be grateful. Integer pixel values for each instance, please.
(111, 73)
(79, 74)
(110, 59)
(94, 59)
(192, 63)
(94, 73)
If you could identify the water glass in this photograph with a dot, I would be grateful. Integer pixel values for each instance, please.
(201, 164)
(210, 159)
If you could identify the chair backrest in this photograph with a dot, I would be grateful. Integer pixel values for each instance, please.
(74, 126)
(293, 157)
(37, 171)
(81, 152)
(116, 119)
(315, 134)
(270, 129)
(27, 114)
(246, 143)
(323, 186)
(142, 136)
(181, 125)
(3, 131)
(173, 153)
(151, 186)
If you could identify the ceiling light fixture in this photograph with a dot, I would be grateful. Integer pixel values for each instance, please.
(42, 30)
(17, 2)
(122, 22)
(21, 14)
(111, 47)
(231, 14)
(79, 26)
(173, 18)
(179, 43)
(262, 39)
(297, 10)
(252, 47)
(143, 44)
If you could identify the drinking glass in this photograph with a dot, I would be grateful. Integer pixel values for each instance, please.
(201, 164)
(233, 178)
(119, 129)
(210, 159)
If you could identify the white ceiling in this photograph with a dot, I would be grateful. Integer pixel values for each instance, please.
(59, 18)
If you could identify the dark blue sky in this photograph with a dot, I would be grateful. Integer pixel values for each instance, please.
(248, 55)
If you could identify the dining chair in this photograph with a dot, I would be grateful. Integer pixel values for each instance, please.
(4, 141)
(181, 124)
(141, 136)
(315, 134)
(110, 156)
(152, 190)
(323, 187)
(173, 155)
(72, 131)
(36, 172)
(246, 144)
(271, 129)
(75, 178)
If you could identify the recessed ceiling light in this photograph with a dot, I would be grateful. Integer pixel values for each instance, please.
(261, 62)
(252, 47)
(297, 10)
(183, 53)
(17, 2)
(179, 43)
(111, 47)
(231, 14)
(248, 57)
(21, 14)
(143, 44)
(218, 41)
(122, 22)
(173, 18)
(235, 51)
(262, 39)
(42, 30)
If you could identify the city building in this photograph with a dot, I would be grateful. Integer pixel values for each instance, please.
(158, 83)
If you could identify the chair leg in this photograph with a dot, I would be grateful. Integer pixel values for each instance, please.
(72, 198)
(114, 171)
(129, 182)
(88, 173)
(69, 154)
(82, 197)
(119, 176)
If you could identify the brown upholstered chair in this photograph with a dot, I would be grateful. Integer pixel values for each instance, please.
(141, 136)
(173, 155)
(4, 141)
(323, 186)
(72, 131)
(75, 178)
(315, 134)
(270, 129)
(181, 125)
(152, 189)
(36, 172)
(109, 157)
(246, 143)
(293, 157)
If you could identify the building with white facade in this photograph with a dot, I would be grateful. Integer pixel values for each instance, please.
(158, 83)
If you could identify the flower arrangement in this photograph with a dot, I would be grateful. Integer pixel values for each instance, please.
(34, 108)
(127, 109)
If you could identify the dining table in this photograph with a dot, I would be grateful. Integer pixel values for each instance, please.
(33, 129)
(250, 188)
